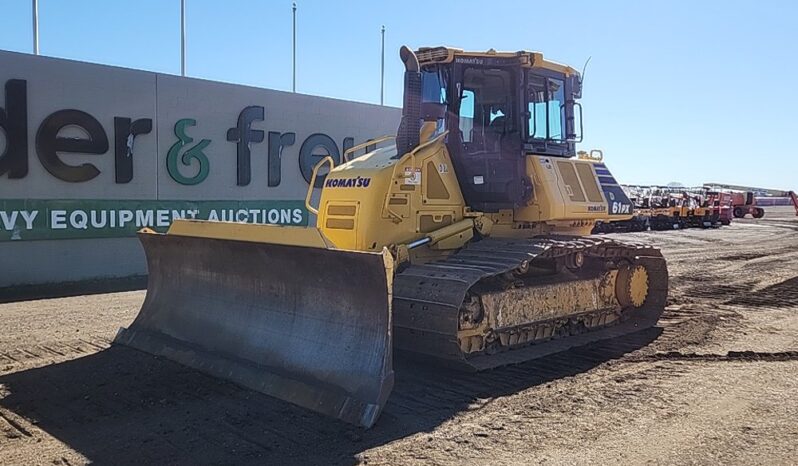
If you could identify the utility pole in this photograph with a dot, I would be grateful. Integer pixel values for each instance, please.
(35, 27)
(293, 86)
(382, 68)
(182, 37)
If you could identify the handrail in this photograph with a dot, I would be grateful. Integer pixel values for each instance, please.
(316, 167)
(582, 155)
(372, 142)
(429, 143)
(581, 123)
(424, 146)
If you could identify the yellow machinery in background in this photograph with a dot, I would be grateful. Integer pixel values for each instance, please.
(461, 241)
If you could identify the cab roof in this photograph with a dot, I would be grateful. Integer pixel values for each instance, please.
(430, 55)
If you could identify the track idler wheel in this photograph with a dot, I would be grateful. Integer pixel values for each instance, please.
(631, 286)
(575, 261)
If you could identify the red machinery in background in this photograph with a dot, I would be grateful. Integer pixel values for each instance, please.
(723, 202)
(743, 201)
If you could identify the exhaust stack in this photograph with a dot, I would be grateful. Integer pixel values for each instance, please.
(407, 136)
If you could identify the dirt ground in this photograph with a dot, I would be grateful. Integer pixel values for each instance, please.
(715, 383)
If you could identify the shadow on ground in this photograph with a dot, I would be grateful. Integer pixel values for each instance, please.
(783, 294)
(66, 289)
(121, 406)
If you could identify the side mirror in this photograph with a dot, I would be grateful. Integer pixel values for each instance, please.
(575, 83)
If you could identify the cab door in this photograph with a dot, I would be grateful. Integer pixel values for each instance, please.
(485, 141)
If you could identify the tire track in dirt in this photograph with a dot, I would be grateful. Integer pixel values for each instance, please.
(116, 405)
(730, 356)
(16, 358)
(719, 277)
(11, 427)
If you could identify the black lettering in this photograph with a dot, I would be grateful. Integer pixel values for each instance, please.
(49, 144)
(277, 142)
(125, 134)
(243, 135)
(14, 123)
(307, 158)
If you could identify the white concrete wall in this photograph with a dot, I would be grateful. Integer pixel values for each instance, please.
(106, 92)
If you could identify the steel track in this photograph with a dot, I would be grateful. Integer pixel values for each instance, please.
(428, 297)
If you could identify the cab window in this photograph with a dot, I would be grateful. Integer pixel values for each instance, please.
(546, 106)
(467, 114)
(486, 106)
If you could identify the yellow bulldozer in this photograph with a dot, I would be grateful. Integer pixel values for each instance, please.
(462, 240)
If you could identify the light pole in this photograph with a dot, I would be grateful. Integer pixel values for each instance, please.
(182, 37)
(35, 27)
(293, 86)
(382, 68)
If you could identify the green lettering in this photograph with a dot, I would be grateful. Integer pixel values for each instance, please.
(193, 153)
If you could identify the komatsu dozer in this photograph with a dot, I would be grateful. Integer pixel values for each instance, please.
(461, 240)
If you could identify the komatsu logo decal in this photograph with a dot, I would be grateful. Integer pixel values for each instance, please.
(469, 60)
(358, 182)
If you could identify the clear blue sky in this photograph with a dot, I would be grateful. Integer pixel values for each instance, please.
(688, 91)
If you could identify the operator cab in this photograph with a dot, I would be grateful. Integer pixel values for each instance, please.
(499, 108)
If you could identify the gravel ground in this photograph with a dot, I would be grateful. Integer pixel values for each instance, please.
(715, 382)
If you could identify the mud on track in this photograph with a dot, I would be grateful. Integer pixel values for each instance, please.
(717, 382)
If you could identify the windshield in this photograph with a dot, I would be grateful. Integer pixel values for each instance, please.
(433, 89)
(433, 97)
(546, 105)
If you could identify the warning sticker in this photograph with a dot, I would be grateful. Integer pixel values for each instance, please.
(412, 175)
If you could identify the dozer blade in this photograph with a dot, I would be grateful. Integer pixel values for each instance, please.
(311, 326)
